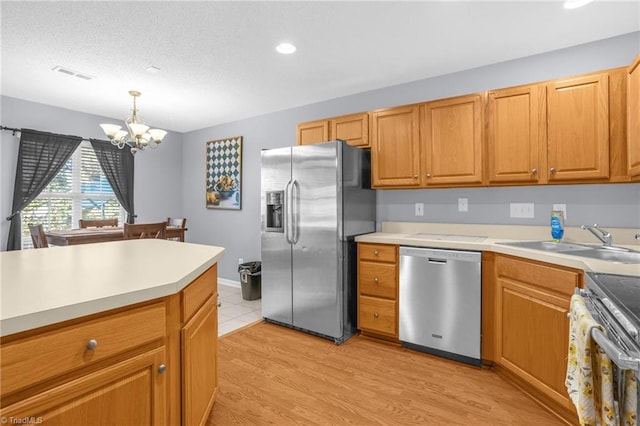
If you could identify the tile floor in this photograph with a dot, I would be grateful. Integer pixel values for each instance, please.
(235, 312)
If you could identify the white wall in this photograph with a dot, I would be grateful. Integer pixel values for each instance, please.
(158, 177)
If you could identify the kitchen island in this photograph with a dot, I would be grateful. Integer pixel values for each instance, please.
(128, 324)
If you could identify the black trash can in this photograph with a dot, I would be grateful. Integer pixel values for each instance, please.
(250, 280)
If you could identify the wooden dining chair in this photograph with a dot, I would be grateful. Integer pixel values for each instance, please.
(98, 223)
(177, 222)
(38, 236)
(145, 230)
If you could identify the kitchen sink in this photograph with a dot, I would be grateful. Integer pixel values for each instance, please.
(548, 246)
(611, 254)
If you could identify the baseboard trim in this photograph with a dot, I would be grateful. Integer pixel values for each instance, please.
(229, 283)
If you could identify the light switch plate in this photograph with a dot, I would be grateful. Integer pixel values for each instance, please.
(419, 209)
(463, 204)
(521, 210)
(562, 208)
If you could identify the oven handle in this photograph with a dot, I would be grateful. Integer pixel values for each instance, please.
(617, 355)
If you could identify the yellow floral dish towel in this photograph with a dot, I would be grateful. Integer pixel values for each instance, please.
(629, 406)
(589, 378)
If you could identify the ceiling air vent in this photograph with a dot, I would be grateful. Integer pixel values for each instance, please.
(72, 73)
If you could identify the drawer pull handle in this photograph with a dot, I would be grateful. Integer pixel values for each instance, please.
(92, 344)
(375, 252)
(375, 315)
(162, 369)
(376, 280)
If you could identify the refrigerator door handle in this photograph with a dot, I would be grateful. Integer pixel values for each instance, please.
(295, 211)
(287, 212)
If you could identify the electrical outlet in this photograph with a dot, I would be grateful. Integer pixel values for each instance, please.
(240, 260)
(463, 204)
(419, 209)
(521, 210)
(562, 208)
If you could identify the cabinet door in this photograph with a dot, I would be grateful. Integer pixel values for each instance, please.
(395, 152)
(516, 134)
(131, 392)
(451, 132)
(200, 364)
(532, 328)
(312, 132)
(633, 117)
(354, 129)
(578, 128)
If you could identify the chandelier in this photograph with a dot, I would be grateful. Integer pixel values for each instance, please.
(139, 135)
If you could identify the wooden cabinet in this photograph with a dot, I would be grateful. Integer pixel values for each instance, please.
(152, 363)
(378, 290)
(633, 118)
(531, 326)
(352, 128)
(451, 141)
(395, 147)
(516, 134)
(578, 128)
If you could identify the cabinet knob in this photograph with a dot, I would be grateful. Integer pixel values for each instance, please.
(375, 315)
(375, 252)
(427, 175)
(534, 171)
(553, 170)
(415, 176)
(162, 369)
(219, 304)
(92, 344)
(376, 280)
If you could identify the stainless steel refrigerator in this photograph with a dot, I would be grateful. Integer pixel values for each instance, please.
(314, 200)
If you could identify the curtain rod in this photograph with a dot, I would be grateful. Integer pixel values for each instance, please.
(14, 131)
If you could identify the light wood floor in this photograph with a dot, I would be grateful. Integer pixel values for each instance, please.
(273, 375)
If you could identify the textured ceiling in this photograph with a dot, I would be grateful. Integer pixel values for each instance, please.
(218, 61)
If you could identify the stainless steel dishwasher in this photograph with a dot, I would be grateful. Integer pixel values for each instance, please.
(440, 302)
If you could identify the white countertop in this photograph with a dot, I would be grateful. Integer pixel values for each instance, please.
(465, 237)
(46, 286)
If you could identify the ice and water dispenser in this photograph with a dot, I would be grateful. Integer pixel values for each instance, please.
(275, 211)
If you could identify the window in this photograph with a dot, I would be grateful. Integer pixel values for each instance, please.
(79, 191)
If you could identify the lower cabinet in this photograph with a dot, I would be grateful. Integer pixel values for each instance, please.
(153, 363)
(532, 329)
(378, 290)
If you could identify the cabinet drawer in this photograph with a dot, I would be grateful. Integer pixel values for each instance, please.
(378, 279)
(377, 315)
(550, 277)
(198, 292)
(37, 358)
(378, 252)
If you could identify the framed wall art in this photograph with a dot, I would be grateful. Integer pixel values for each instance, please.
(224, 174)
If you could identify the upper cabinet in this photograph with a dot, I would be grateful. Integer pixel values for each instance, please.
(395, 150)
(451, 141)
(352, 128)
(578, 128)
(516, 134)
(633, 118)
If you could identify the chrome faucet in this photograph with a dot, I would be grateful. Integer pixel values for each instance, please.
(601, 234)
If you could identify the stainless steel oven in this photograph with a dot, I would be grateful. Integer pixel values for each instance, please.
(614, 302)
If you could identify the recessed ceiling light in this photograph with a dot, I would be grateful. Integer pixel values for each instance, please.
(286, 48)
(574, 4)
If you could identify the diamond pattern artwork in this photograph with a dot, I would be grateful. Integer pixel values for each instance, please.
(224, 173)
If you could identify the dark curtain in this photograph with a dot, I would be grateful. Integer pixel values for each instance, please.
(40, 157)
(117, 165)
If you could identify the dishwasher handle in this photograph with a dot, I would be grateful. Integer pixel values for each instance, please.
(441, 256)
(437, 261)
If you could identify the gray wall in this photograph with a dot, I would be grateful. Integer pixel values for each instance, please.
(239, 231)
(171, 180)
(158, 190)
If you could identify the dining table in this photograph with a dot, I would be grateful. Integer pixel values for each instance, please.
(70, 237)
